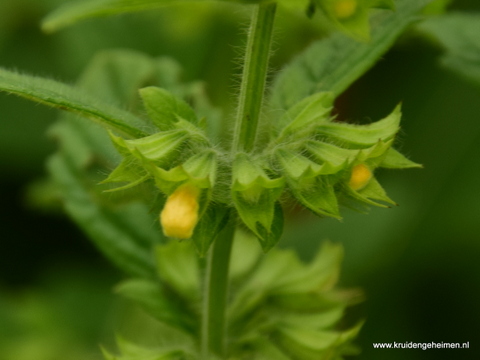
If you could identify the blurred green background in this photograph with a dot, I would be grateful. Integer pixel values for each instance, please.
(418, 262)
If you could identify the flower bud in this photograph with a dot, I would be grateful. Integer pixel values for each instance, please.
(180, 213)
(344, 8)
(360, 177)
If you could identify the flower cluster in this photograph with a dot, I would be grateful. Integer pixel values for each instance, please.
(320, 162)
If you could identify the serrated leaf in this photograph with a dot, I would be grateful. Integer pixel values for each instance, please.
(62, 96)
(334, 63)
(158, 303)
(165, 109)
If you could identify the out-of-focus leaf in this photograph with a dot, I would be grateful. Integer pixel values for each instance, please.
(124, 235)
(73, 12)
(177, 266)
(62, 96)
(334, 63)
(157, 302)
(458, 33)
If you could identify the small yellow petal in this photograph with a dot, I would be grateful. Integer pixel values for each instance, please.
(360, 177)
(344, 8)
(180, 213)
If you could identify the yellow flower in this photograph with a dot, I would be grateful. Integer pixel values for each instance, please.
(360, 177)
(180, 213)
(344, 8)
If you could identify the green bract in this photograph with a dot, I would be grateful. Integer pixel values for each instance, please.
(310, 155)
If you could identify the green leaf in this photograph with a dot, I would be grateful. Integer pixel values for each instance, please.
(128, 171)
(165, 109)
(317, 194)
(62, 96)
(159, 147)
(202, 168)
(315, 321)
(73, 12)
(437, 7)
(395, 160)
(254, 196)
(116, 75)
(310, 111)
(314, 344)
(209, 226)
(458, 34)
(334, 63)
(269, 237)
(371, 194)
(177, 266)
(158, 303)
(326, 152)
(363, 135)
(124, 235)
(247, 253)
(320, 275)
(298, 167)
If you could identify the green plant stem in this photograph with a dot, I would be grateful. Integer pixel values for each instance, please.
(215, 296)
(250, 103)
(254, 77)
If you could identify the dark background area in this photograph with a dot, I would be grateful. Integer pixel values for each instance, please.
(418, 262)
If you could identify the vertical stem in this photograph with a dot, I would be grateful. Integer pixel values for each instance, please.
(254, 77)
(250, 103)
(215, 296)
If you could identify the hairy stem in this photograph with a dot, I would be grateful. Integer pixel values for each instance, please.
(250, 103)
(215, 296)
(254, 77)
